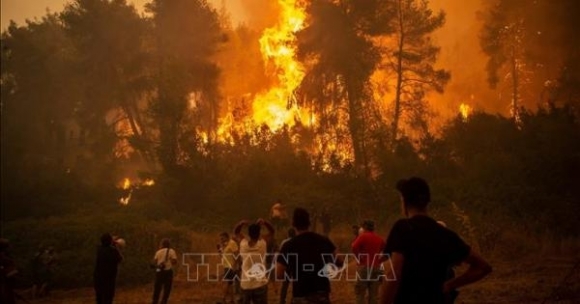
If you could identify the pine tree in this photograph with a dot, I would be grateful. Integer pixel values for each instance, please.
(413, 57)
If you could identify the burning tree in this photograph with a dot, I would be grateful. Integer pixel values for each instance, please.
(413, 56)
(502, 39)
(185, 36)
(529, 54)
(340, 56)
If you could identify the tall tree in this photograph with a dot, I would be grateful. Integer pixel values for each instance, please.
(502, 39)
(534, 56)
(39, 95)
(340, 55)
(186, 35)
(110, 36)
(413, 58)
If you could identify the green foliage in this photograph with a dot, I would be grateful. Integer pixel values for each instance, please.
(76, 236)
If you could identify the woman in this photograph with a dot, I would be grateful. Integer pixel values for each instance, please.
(164, 260)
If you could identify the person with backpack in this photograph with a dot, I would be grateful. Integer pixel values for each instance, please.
(164, 260)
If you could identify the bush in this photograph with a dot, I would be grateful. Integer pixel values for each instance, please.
(75, 238)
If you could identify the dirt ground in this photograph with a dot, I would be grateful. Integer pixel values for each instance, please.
(531, 280)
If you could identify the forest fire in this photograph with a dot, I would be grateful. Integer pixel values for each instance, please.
(178, 120)
(277, 107)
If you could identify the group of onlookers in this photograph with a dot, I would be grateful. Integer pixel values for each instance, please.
(413, 264)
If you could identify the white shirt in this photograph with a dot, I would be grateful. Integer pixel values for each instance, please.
(254, 272)
(160, 257)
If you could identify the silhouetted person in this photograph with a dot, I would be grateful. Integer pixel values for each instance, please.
(305, 259)
(286, 282)
(325, 221)
(421, 251)
(278, 215)
(8, 273)
(228, 248)
(165, 258)
(368, 248)
(355, 231)
(105, 275)
(271, 250)
(42, 268)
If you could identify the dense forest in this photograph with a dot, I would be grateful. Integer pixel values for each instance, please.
(327, 106)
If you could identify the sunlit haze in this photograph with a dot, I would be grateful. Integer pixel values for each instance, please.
(20, 10)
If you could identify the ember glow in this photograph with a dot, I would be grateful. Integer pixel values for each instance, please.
(127, 184)
(125, 200)
(465, 111)
(148, 182)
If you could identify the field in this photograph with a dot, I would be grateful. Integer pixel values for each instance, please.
(532, 278)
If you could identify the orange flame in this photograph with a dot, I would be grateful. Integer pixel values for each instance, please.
(148, 182)
(125, 184)
(125, 200)
(465, 110)
(277, 107)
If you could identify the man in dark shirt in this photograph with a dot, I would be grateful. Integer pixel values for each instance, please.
(304, 258)
(105, 275)
(421, 252)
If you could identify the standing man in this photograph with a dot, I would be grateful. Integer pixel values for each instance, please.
(368, 248)
(325, 221)
(8, 272)
(105, 274)
(228, 248)
(286, 281)
(304, 258)
(164, 258)
(421, 251)
(278, 215)
(254, 279)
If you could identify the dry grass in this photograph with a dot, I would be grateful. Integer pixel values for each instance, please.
(529, 278)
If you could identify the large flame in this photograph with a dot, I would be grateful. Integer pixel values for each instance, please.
(277, 107)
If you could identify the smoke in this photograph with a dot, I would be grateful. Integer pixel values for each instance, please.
(462, 55)
(260, 14)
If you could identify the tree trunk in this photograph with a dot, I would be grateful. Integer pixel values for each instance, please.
(355, 125)
(132, 113)
(515, 82)
(397, 113)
